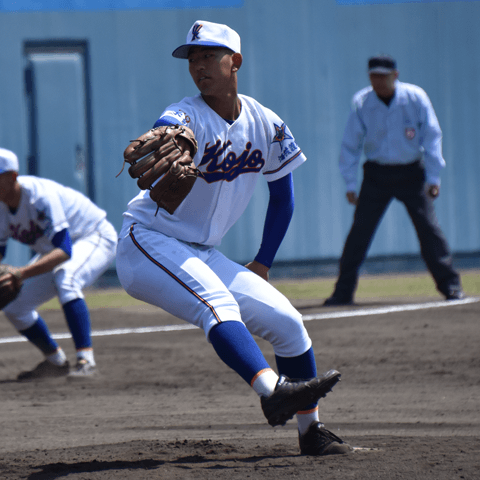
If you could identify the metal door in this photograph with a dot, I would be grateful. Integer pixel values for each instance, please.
(57, 96)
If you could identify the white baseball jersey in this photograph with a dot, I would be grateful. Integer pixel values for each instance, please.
(46, 208)
(231, 159)
(400, 133)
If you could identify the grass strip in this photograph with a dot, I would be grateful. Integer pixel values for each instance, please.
(369, 286)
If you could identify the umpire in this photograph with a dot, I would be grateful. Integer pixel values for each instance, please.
(396, 126)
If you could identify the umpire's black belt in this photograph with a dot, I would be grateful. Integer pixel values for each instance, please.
(394, 166)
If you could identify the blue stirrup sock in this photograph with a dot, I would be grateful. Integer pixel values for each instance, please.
(236, 347)
(303, 366)
(78, 320)
(40, 336)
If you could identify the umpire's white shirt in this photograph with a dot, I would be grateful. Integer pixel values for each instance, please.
(400, 133)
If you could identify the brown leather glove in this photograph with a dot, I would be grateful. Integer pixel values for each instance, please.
(165, 152)
(10, 285)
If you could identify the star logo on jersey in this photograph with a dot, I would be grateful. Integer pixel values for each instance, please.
(196, 31)
(281, 134)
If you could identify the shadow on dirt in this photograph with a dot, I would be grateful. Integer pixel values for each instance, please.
(58, 470)
(55, 471)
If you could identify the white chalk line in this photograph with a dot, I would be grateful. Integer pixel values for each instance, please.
(306, 318)
(391, 309)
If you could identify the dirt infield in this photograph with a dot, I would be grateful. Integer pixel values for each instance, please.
(165, 406)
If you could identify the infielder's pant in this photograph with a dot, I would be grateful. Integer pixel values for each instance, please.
(380, 185)
(91, 256)
(203, 287)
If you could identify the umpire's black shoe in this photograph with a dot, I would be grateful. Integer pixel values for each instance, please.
(335, 301)
(292, 395)
(455, 294)
(317, 440)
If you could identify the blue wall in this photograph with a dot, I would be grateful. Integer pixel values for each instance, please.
(302, 58)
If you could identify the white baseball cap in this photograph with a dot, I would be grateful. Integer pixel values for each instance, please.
(8, 161)
(209, 34)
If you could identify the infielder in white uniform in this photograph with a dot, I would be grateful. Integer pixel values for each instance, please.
(171, 261)
(74, 243)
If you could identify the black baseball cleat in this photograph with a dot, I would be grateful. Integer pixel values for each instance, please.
(317, 440)
(455, 294)
(292, 395)
(45, 369)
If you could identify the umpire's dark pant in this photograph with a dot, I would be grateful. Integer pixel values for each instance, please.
(382, 183)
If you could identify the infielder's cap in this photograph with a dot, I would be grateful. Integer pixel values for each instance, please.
(383, 64)
(8, 161)
(209, 34)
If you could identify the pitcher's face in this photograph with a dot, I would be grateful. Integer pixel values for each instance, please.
(211, 69)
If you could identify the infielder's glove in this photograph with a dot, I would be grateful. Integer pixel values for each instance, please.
(166, 151)
(10, 285)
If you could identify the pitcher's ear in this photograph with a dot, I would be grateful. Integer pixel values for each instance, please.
(237, 61)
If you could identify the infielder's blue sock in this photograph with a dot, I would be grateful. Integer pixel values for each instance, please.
(78, 320)
(39, 335)
(236, 347)
(303, 366)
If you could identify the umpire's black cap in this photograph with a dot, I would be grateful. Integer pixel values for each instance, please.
(383, 64)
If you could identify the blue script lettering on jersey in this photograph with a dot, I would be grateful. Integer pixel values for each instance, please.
(27, 237)
(229, 166)
(287, 151)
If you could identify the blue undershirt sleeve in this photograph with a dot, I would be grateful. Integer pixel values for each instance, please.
(62, 240)
(165, 121)
(277, 220)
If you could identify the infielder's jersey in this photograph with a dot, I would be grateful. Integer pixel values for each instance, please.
(46, 208)
(231, 158)
(402, 132)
